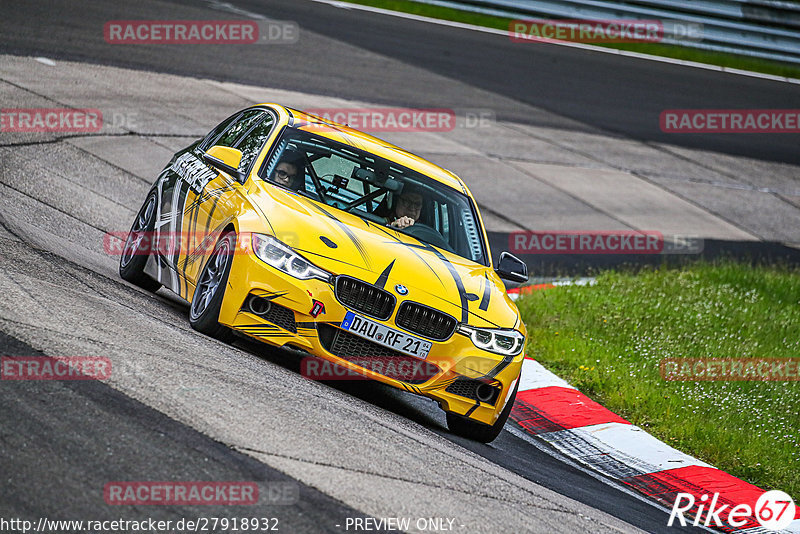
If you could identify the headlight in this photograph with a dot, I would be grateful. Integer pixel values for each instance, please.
(274, 253)
(499, 341)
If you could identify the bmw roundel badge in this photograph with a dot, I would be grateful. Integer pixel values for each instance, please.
(401, 289)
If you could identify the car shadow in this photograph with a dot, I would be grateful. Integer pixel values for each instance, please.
(419, 409)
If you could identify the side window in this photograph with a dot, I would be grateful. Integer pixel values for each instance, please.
(251, 144)
(208, 142)
(242, 124)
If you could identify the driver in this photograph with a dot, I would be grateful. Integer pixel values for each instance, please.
(289, 171)
(407, 209)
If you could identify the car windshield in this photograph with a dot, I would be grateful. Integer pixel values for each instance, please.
(377, 190)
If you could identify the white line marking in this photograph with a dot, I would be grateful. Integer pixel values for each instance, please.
(582, 46)
(535, 376)
(230, 8)
(624, 442)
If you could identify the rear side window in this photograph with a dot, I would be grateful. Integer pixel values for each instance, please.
(208, 142)
(252, 142)
(239, 127)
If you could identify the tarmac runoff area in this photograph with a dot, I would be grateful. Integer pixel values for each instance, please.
(62, 193)
(524, 177)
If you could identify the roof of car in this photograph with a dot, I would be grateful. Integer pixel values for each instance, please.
(345, 134)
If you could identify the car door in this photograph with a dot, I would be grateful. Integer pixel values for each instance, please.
(192, 196)
(206, 213)
(186, 172)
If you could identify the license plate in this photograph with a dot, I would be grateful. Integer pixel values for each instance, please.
(388, 337)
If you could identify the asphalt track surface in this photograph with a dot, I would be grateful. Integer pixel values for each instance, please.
(88, 434)
(538, 84)
(57, 438)
(62, 441)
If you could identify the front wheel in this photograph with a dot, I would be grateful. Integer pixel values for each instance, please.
(210, 290)
(467, 428)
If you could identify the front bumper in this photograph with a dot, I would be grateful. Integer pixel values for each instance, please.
(306, 315)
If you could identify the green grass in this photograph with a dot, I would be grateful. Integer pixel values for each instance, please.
(608, 340)
(672, 51)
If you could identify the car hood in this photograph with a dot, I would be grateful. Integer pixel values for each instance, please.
(343, 243)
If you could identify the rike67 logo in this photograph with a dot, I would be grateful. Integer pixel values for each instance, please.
(774, 510)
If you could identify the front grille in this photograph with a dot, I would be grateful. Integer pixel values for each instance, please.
(364, 297)
(374, 357)
(468, 388)
(425, 321)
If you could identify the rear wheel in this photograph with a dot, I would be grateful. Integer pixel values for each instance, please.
(467, 428)
(210, 290)
(137, 245)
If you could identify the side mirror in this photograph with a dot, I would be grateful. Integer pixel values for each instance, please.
(225, 159)
(512, 268)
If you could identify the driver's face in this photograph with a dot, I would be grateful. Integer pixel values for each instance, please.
(409, 205)
(285, 173)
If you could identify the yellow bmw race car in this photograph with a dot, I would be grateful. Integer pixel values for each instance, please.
(304, 233)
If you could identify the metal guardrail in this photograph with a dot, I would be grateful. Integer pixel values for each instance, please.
(767, 29)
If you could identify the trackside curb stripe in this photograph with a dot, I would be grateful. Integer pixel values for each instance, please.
(550, 409)
(514, 293)
(564, 408)
(625, 441)
(664, 487)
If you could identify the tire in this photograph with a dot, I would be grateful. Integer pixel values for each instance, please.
(134, 258)
(467, 428)
(210, 290)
